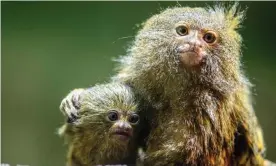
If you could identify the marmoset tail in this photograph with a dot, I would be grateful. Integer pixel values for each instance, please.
(186, 63)
(104, 130)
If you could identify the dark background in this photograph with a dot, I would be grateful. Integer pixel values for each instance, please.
(50, 48)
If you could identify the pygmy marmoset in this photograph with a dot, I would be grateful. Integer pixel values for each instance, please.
(186, 63)
(102, 126)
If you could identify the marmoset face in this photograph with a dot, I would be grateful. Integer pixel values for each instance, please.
(192, 38)
(108, 113)
(193, 44)
(122, 124)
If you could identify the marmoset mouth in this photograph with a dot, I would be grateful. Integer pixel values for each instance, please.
(122, 134)
(190, 55)
(190, 58)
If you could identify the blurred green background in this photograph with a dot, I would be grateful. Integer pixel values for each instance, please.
(50, 48)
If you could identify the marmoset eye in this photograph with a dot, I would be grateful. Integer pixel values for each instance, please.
(182, 30)
(134, 118)
(112, 115)
(210, 37)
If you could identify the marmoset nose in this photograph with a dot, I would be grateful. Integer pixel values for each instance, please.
(124, 126)
(195, 42)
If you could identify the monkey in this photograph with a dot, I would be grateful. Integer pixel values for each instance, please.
(102, 125)
(186, 62)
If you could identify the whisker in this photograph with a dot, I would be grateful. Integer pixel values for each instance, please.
(96, 122)
(121, 38)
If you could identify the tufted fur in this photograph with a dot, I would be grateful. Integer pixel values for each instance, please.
(203, 116)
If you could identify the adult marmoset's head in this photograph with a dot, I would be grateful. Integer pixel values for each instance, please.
(197, 43)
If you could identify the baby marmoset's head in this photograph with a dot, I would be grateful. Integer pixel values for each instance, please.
(187, 45)
(106, 127)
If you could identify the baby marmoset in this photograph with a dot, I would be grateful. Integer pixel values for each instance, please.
(102, 126)
(186, 63)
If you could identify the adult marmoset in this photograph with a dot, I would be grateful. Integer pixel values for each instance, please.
(102, 126)
(186, 63)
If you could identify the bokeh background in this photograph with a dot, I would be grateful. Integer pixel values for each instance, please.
(50, 48)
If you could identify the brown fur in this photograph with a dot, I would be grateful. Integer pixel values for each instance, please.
(204, 115)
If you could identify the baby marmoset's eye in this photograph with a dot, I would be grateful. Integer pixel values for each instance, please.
(112, 115)
(182, 30)
(133, 118)
(210, 37)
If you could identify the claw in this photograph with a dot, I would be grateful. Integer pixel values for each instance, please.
(72, 119)
(70, 105)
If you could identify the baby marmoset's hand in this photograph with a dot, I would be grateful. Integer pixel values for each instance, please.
(70, 104)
